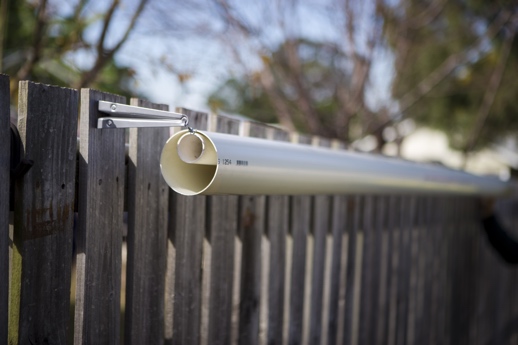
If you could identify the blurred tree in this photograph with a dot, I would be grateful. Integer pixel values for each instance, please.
(455, 64)
(299, 85)
(318, 86)
(38, 40)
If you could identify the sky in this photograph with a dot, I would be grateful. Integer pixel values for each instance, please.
(210, 62)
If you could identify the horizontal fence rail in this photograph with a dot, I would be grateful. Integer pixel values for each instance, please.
(98, 250)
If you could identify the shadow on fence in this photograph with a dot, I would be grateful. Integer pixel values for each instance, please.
(341, 269)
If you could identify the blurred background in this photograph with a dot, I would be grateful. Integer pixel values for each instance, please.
(427, 80)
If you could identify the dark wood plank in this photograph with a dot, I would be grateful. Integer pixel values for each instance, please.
(383, 231)
(413, 274)
(147, 234)
(42, 254)
(300, 227)
(252, 217)
(186, 232)
(222, 228)
(444, 271)
(197, 120)
(426, 271)
(5, 159)
(350, 290)
(437, 268)
(277, 227)
(321, 226)
(375, 269)
(338, 226)
(388, 330)
(251, 225)
(300, 213)
(365, 330)
(100, 225)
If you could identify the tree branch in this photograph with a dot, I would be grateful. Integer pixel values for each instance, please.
(104, 55)
(267, 81)
(35, 54)
(106, 25)
(446, 68)
(490, 94)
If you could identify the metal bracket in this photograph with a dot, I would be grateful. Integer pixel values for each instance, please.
(128, 116)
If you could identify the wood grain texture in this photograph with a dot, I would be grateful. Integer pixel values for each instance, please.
(277, 228)
(5, 159)
(100, 225)
(379, 212)
(350, 293)
(251, 227)
(404, 270)
(222, 227)
(42, 256)
(300, 227)
(388, 329)
(321, 226)
(186, 232)
(148, 196)
(338, 226)
(252, 217)
(198, 120)
(368, 283)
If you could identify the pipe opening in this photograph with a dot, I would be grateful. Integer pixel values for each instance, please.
(190, 147)
(189, 162)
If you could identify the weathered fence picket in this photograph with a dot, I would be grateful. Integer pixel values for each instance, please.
(44, 208)
(314, 269)
(148, 197)
(5, 159)
(100, 225)
(221, 232)
(276, 232)
(251, 225)
(186, 233)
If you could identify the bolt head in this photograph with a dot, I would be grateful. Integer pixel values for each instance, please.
(113, 107)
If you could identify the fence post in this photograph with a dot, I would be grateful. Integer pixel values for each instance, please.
(147, 234)
(4, 203)
(186, 234)
(42, 253)
(277, 224)
(251, 227)
(100, 225)
(300, 224)
(222, 226)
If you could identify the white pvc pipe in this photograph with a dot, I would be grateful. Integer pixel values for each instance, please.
(214, 163)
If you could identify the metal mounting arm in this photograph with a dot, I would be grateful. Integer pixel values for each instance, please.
(128, 116)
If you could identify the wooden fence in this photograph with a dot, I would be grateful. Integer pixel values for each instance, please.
(341, 269)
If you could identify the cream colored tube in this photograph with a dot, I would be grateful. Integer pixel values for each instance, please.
(212, 163)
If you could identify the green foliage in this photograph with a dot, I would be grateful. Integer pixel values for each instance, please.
(454, 105)
(60, 36)
(321, 69)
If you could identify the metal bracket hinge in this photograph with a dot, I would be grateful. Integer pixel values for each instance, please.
(129, 116)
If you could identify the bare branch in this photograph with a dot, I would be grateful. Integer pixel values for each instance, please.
(427, 16)
(446, 68)
(281, 108)
(106, 24)
(449, 65)
(35, 54)
(103, 54)
(489, 96)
